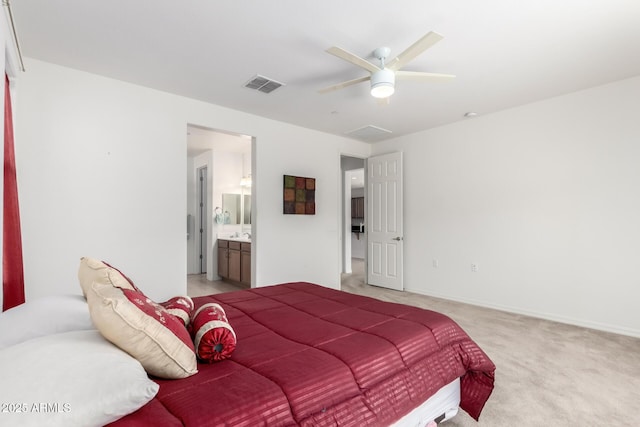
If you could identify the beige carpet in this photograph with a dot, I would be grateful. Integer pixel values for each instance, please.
(548, 373)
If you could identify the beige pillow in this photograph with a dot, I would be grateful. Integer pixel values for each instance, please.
(92, 270)
(144, 329)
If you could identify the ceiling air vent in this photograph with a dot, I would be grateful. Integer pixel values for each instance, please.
(369, 133)
(263, 84)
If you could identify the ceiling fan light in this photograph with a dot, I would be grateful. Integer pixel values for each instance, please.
(382, 90)
(383, 83)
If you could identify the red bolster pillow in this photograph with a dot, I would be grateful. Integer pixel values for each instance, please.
(213, 336)
(181, 307)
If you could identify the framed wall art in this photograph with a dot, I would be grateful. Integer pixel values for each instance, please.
(299, 195)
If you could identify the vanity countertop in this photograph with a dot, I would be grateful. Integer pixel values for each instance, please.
(234, 238)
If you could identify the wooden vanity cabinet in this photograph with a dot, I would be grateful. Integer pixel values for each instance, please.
(245, 263)
(357, 207)
(234, 261)
(223, 258)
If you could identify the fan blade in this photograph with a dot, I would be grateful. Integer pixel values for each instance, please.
(414, 50)
(354, 59)
(422, 77)
(344, 84)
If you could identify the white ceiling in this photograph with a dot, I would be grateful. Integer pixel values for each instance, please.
(357, 179)
(504, 53)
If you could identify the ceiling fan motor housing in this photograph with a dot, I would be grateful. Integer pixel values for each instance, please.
(382, 53)
(383, 83)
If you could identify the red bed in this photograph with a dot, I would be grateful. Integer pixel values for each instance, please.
(312, 356)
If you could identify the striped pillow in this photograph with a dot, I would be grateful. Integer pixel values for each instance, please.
(181, 307)
(213, 336)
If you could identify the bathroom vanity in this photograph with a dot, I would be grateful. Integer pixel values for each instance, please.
(234, 260)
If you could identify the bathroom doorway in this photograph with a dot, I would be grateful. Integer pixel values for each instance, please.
(217, 163)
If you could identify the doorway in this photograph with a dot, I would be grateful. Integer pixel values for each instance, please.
(354, 247)
(380, 224)
(217, 162)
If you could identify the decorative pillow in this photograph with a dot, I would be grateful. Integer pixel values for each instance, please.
(70, 379)
(144, 329)
(212, 334)
(92, 270)
(44, 316)
(181, 307)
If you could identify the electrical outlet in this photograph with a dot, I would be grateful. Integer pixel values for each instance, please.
(435, 263)
(474, 267)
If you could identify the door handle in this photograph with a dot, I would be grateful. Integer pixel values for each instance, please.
(397, 238)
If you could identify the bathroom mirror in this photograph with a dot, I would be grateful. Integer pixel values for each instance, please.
(247, 209)
(236, 208)
(231, 208)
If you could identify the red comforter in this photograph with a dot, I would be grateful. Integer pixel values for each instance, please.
(312, 356)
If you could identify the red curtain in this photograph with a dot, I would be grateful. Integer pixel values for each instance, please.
(12, 272)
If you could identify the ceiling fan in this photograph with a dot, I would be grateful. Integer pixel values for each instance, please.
(383, 77)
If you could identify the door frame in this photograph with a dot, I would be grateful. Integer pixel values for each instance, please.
(344, 212)
(202, 214)
(346, 221)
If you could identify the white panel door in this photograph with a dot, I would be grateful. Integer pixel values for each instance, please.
(384, 221)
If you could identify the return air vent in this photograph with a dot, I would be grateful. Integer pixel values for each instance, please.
(263, 84)
(369, 133)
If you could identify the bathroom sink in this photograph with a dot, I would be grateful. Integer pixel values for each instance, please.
(239, 239)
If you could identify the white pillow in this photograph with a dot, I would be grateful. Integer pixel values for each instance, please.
(71, 379)
(44, 316)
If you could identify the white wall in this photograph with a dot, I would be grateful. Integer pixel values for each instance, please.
(358, 245)
(544, 198)
(319, 236)
(102, 172)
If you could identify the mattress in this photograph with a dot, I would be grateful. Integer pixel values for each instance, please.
(442, 406)
(312, 356)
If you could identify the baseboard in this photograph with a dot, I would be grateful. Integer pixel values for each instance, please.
(538, 314)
